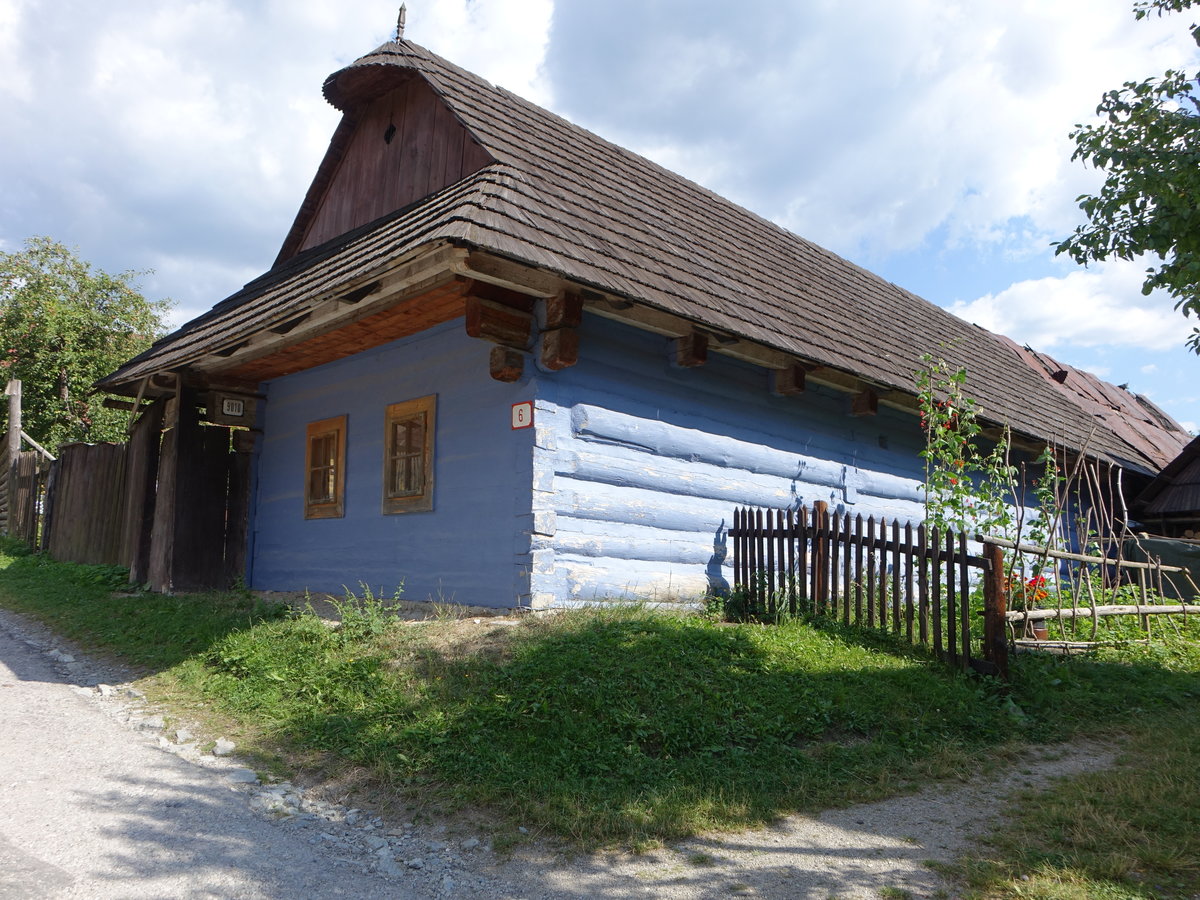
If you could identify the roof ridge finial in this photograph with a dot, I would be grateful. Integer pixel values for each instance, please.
(400, 21)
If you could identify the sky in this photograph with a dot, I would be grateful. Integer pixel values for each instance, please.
(925, 140)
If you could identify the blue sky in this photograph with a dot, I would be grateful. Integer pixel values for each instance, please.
(926, 140)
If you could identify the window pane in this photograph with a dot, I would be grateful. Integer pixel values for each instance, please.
(406, 457)
(415, 482)
(322, 476)
(328, 454)
(325, 459)
(414, 434)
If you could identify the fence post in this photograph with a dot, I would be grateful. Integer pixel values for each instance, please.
(48, 506)
(964, 599)
(790, 566)
(756, 576)
(820, 554)
(995, 607)
(13, 449)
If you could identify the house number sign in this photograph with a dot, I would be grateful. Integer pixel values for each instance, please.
(224, 409)
(522, 415)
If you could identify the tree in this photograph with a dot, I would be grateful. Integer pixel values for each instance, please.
(1149, 144)
(63, 325)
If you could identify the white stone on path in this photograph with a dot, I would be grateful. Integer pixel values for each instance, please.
(223, 747)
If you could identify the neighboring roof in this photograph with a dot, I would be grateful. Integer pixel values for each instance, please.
(1134, 418)
(1176, 490)
(561, 199)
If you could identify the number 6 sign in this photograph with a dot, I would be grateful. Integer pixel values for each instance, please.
(522, 415)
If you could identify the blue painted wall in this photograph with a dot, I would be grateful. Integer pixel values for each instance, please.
(622, 488)
(472, 548)
(638, 466)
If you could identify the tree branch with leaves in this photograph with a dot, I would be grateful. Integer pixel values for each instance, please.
(1148, 143)
(63, 325)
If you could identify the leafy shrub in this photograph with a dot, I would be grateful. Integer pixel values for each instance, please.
(367, 616)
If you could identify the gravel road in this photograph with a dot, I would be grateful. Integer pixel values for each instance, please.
(98, 800)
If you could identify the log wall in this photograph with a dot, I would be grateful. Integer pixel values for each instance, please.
(639, 465)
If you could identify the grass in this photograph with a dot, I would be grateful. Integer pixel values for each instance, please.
(1129, 832)
(614, 725)
(630, 727)
(151, 632)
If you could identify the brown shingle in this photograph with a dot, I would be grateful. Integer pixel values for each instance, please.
(1176, 490)
(562, 199)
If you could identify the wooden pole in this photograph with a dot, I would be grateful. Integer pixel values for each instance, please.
(1088, 612)
(995, 606)
(1077, 557)
(13, 448)
(14, 418)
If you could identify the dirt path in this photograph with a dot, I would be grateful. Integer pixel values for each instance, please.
(97, 802)
(92, 808)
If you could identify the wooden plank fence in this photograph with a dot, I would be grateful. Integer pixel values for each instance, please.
(171, 503)
(24, 495)
(89, 504)
(916, 583)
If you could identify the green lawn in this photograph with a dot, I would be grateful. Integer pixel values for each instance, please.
(630, 727)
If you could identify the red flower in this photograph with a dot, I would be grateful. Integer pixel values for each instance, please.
(1035, 589)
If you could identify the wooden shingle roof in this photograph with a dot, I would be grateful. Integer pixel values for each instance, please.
(1134, 418)
(1175, 492)
(563, 200)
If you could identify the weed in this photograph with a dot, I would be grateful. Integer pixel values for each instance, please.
(366, 616)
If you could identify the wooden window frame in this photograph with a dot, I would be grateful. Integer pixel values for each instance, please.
(334, 508)
(422, 500)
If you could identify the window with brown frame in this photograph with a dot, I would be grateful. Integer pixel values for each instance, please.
(325, 469)
(408, 456)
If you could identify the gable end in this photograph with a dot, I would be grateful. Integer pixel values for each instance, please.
(391, 151)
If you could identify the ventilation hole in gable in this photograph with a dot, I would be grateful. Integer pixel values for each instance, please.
(389, 134)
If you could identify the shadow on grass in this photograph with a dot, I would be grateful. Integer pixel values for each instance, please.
(631, 726)
(1056, 696)
(628, 725)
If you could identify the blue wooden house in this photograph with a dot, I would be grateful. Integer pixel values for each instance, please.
(504, 362)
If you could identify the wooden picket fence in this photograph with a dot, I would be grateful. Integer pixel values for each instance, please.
(916, 583)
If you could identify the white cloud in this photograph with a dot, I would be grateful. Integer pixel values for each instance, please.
(1092, 307)
(182, 137)
(14, 78)
(503, 41)
(866, 132)
(1149, 369)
